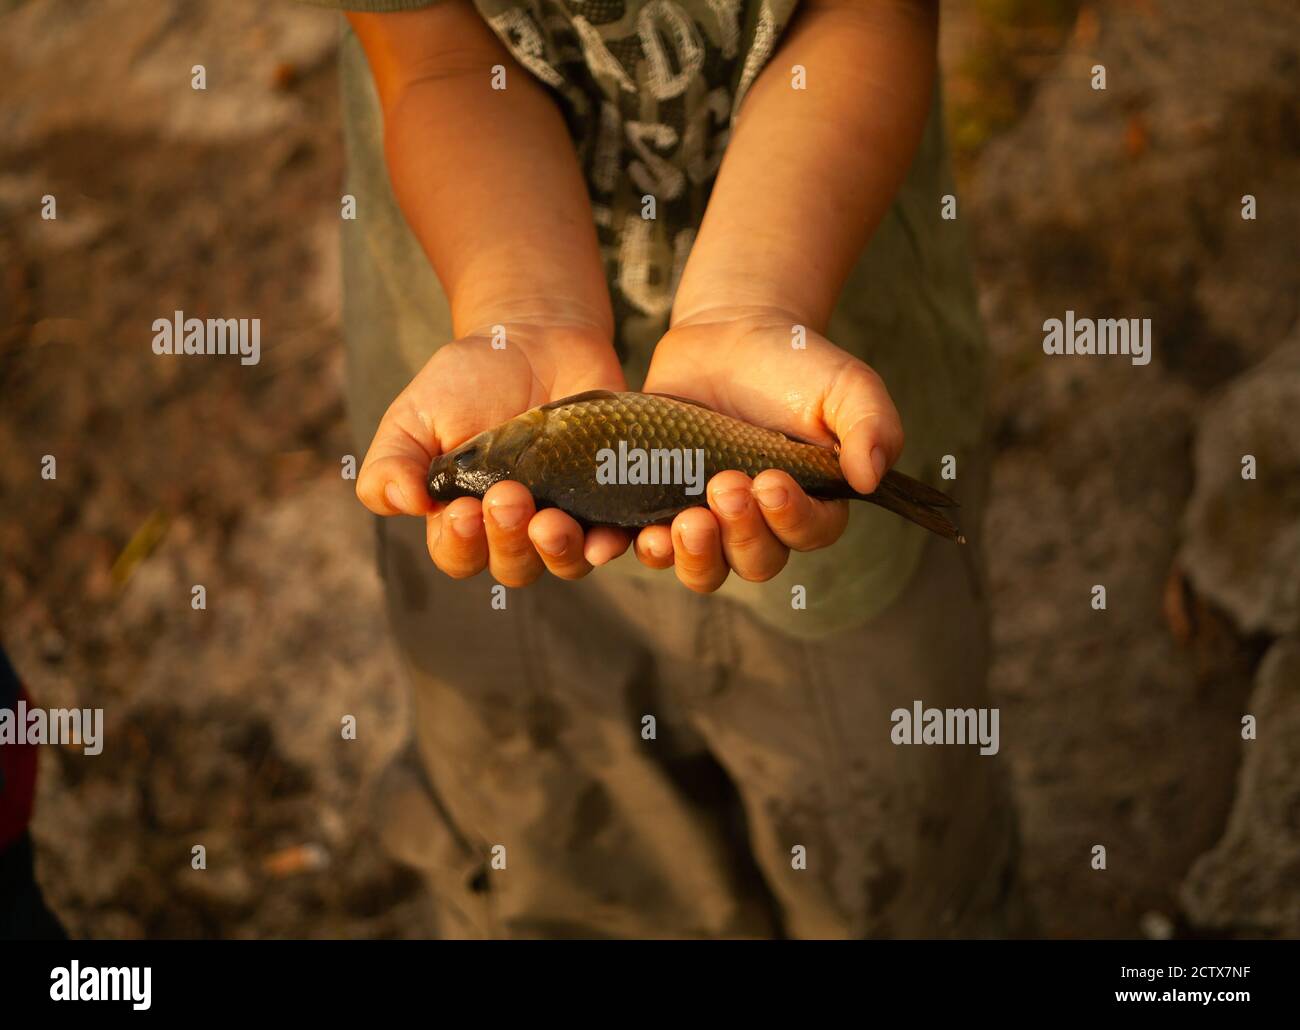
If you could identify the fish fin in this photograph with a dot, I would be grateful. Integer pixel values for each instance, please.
(684, 400)
(578, 398)
(911, 499)
(919, 492)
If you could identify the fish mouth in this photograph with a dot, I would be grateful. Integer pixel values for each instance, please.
(441, 480)
(448, 479)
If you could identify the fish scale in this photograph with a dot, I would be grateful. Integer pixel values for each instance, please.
(555, 451)
(656, 420)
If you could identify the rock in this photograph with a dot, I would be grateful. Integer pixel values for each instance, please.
(1242, 547)
(154, 49)
(227, 887)
(53, 646)
(1078, 215)
(1246, 885)
(299, 858)
(1156, 926)
(229, 736)
(1090, 698)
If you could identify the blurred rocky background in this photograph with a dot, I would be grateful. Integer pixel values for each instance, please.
(1123, 727)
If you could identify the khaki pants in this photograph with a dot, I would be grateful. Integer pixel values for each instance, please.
(769, 799)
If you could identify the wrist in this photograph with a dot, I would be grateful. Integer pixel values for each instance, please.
(724, 328)
(538, 336)
(736, 316)
(703, 351)
(745, 307)
(541, 317)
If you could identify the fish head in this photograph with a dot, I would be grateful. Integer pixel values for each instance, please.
(490, 457)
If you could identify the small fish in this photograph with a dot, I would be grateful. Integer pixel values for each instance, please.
(559, 449)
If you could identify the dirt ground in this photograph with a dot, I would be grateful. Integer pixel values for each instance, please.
(1123, 726)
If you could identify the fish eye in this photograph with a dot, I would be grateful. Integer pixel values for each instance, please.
(466, 457)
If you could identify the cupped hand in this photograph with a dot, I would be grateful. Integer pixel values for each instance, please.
(469, 386)
(762, 366)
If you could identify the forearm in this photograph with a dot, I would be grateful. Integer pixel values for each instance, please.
(487, 178)
(809, 173)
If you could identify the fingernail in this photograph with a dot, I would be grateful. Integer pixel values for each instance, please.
(393, 494)
(878, 462)
(508, 516)
(771, 497)
(552, 545)
(696, 539)
(465, 526)
(732, 502)
(659, 548)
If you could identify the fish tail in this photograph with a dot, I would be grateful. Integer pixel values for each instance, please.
(916, 502)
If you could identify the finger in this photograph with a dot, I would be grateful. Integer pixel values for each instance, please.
(654, 547)
(512, 558)
(605, 543)
(800, 522)
(558, 539)
(394, 486)
(863, 418)
(391, 480)
(460, 546)
(697, 551)
(748, 545)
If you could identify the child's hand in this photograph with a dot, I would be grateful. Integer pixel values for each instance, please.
(745, 364)
(806, 178)
(490, 184)
(469, 386)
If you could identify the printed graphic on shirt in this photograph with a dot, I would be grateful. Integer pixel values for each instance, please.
(649, 89)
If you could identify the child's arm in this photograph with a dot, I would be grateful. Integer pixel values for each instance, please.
(490, 185)
(806, 178)
(810, 172)
(487, 178)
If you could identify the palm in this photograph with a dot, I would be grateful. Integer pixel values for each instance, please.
(766, 370)
(759, 376)
(469, 386)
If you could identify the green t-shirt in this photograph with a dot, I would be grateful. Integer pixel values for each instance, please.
(649, 89)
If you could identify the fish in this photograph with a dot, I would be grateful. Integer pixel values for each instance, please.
(564, 452)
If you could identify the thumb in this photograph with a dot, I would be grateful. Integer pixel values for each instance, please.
(861, 414)
(391, 480)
